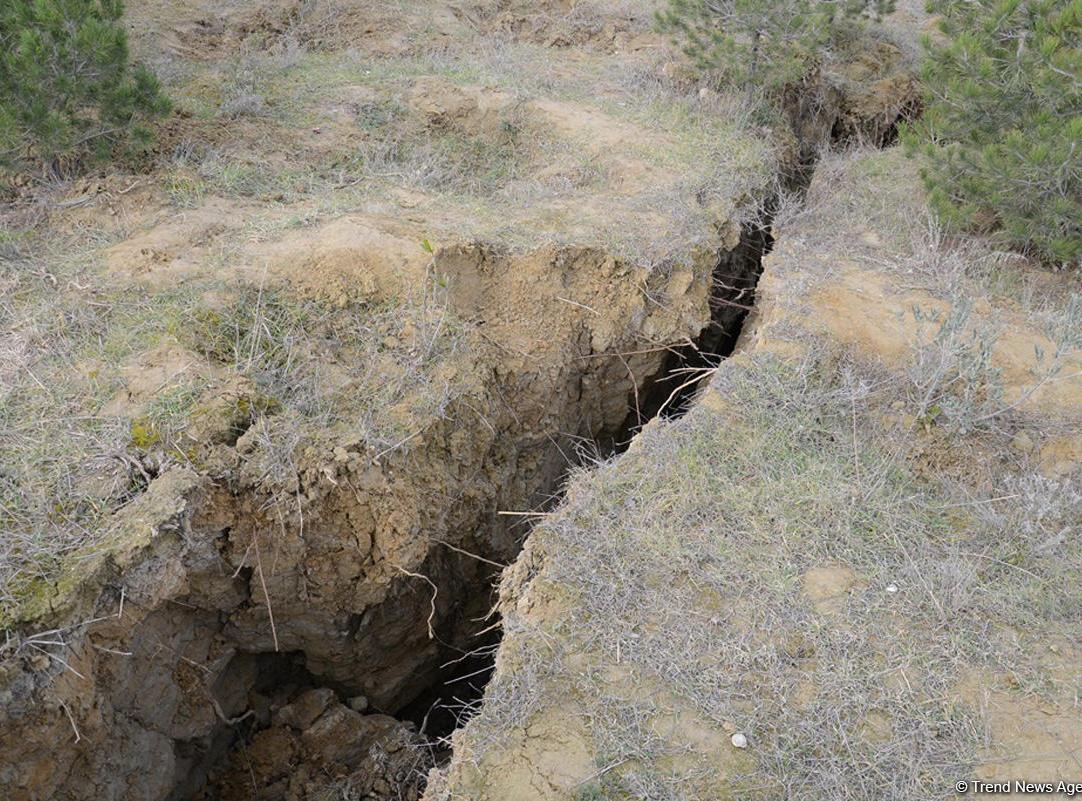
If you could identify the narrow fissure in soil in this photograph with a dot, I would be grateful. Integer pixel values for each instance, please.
(736, 275)
(362, 706)
(393, 748)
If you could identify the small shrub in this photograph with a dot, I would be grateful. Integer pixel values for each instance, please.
(1001, 124)
(67, 90)
(759, 44)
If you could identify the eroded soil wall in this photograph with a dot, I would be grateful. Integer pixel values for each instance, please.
(257, 631)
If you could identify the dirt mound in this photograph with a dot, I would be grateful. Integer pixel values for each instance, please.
(606, 26)
(203, 30)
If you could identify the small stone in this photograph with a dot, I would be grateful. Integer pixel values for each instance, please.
(739, 740)
(358, 703)
(303, 711)
(892, 588)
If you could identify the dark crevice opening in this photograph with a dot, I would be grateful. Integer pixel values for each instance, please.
(265, 681)
(453, 696)
(459, 686)
(450, 692)
(842, 135)
(669, 393)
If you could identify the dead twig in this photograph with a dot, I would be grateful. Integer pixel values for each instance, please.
(71, 720)
(580, 305)
(58, 659)
(263, 584)
(221, 715)
(464, 552)
(634, 389)
(432, 601)
(701, 374)
(396, 446)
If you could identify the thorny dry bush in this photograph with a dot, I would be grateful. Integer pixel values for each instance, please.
(953, 373)
(686, 559)
(63, 466)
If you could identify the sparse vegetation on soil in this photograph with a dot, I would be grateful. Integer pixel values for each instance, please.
(512, 163)
(857, 551)
(377, 436)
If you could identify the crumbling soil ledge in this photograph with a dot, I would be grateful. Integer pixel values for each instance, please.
(218, 603)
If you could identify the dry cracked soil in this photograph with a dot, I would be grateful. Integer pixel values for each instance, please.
(374, 441)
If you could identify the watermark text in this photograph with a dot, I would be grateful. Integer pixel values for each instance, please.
(1019, 787)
